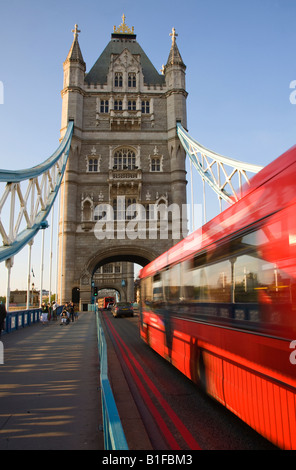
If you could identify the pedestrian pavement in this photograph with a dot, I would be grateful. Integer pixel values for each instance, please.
(49, 387)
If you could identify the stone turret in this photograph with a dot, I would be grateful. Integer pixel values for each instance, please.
(72, 93)
(176, 112)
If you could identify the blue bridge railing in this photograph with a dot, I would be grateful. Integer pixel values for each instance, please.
(114, 438)
(23, 318)
(20, 319)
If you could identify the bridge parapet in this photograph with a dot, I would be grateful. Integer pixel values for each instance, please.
(22, 318)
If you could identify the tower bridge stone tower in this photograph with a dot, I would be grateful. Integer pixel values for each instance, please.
(125, 163)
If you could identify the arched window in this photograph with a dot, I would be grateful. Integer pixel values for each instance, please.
(145, 107)
(104, 107)
(132, 80)
(93, 164)
(118, 79)
(124, 159)
(117, 105)
(87, 211)
(132, 106)
(155, 164)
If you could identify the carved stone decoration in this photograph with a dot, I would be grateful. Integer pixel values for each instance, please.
(85, 279)
(87, 211)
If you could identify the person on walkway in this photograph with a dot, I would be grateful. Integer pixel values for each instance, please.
(2, 316)
(64, 317)
(71, 311)
(75, 312)
(54, 310)
(44, 313)
(49, 311)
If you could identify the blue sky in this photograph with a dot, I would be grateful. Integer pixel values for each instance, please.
(240, 58)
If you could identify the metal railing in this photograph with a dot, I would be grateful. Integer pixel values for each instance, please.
(22, 318)
(114, 438)
(29, 205)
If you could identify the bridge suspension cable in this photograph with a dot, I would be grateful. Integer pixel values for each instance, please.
(28, 196)
(217, 170)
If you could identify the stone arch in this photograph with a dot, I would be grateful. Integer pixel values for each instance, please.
(129, 253)
(87, 211)
(108, 287)
(87, 208)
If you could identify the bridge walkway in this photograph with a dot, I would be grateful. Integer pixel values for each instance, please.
(49, 388)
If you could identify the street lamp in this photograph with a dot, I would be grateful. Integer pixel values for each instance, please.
(33, 285)
(43, 226)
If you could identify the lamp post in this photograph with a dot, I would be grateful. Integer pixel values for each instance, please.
(33, 285)
(8, 264)
(43, 226)
(29, 273)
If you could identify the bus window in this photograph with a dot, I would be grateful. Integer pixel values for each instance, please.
(275, 283)
(146, 291)
(187, 288)
(219, 282)
(174, 290)
(246, 268)
(157, 289)
(210, 283)
(165, 276)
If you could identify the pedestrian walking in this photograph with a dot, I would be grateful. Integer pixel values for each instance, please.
(49, 311)
(54, 311)
(71, 311)
(44, 313)
(75, 312)
(2, 316)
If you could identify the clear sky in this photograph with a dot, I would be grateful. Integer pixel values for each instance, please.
(240, 58)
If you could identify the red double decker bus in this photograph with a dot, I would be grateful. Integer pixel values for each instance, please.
(221, 304)
(103, 302)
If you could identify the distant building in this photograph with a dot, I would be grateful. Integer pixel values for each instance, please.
(19, 298)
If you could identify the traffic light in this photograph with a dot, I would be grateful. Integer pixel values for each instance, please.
(95, 291)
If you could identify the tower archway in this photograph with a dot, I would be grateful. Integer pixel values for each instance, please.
(132, 254)
(122, 254)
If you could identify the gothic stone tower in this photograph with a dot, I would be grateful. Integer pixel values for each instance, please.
(124, 151)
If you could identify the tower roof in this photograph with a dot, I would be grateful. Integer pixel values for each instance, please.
(123, 38)
(174, 56)
(75, 51)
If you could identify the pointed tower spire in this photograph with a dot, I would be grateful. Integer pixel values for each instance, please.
(75, 54)
(174, 56)
(74, 72)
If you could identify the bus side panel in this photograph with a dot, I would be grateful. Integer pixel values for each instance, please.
(256, 394)
(266, 406)
(180, 352)
(214, 376)
(153, 332)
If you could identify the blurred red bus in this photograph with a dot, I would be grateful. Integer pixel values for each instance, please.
(221, 304)
(103, 302)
